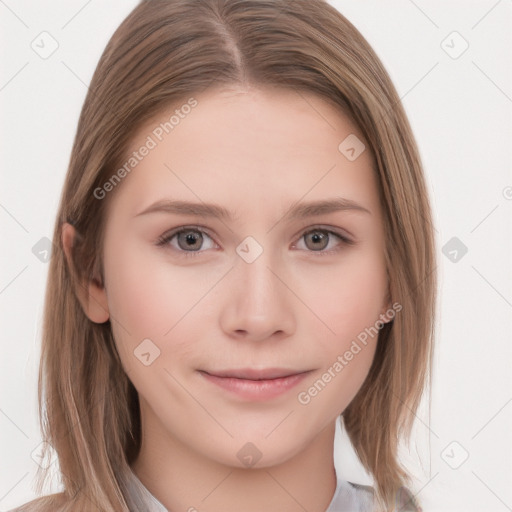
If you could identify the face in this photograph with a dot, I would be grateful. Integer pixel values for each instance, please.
(226, 324)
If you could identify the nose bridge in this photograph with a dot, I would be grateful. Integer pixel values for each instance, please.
(257, 302)
(259, 284)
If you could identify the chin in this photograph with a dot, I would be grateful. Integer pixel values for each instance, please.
(259, 452)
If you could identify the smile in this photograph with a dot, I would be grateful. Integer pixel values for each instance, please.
(256, 385)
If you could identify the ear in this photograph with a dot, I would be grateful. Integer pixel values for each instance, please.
(91, 293)
(385, 308)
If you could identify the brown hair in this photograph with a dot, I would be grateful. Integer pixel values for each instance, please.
(162, 53)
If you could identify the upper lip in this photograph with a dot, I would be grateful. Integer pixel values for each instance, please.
(255, 374)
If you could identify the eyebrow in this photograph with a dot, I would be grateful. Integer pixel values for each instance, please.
(296, 211)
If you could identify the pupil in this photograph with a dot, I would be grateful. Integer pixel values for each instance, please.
(191, 239)
(317, 237)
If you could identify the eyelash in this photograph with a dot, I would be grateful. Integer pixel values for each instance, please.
(166, 238)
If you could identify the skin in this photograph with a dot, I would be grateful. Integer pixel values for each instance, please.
(256, 152)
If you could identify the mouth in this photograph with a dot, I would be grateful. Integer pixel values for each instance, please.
(256, 385)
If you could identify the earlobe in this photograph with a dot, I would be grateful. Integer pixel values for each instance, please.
(385, 316)
(91, 294)
(387, 312)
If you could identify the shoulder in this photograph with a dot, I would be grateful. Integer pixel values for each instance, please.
(406, 501)
(362, 496)
(351, 497)
(366, 490)
(358, 497)
(51, 503)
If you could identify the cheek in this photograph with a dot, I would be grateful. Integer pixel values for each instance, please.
(348, 299)
(349, 296)
(149, 298)
(349, 302)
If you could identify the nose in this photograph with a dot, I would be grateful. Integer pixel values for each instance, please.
(258, 303)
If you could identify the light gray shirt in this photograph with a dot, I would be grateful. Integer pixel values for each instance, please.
(348, 497)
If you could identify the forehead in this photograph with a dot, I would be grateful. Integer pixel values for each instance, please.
(247, 147)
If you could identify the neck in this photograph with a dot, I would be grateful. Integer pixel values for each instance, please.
(183, 479)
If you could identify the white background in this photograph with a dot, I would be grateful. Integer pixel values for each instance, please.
(460, 111)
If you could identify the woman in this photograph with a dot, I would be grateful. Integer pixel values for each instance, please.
(246, 253)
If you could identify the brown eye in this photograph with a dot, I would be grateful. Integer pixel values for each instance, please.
(323, 241)
(186, 241)
(190, 240)
(317, 240)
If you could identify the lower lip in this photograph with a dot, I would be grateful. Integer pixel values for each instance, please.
(256, 390)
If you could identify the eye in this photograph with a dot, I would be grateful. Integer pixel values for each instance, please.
(185, 240)
(189, 240)
(318, 239)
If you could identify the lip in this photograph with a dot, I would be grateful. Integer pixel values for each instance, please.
(256, 385)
